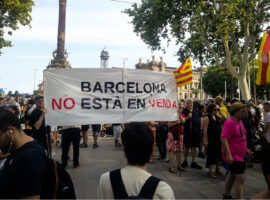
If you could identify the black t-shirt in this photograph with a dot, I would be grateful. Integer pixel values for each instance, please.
(187, 124)
(23, 173)
(192, 125)
(40, 134)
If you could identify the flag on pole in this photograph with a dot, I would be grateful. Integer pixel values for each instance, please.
(183, 74)
(263, 75)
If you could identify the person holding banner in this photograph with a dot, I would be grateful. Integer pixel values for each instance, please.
(41, 132)
(175, 141)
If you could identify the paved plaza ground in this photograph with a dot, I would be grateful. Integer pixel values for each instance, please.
(193, 184)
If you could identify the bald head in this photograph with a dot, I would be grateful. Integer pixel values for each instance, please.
(219, 100)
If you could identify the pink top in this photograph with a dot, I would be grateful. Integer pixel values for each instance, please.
(235, 133)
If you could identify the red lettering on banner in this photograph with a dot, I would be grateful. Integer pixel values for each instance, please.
(174, 104)
(58, 104)
(70, 107)
(159, 103)
(168, 103)
(152, 104)
(54, 102)
(163, 103)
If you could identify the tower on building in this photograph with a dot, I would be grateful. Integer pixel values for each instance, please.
(104, 57)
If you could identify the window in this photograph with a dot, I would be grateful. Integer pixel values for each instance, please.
(185, 95)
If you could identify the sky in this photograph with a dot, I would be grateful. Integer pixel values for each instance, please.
(90, 25)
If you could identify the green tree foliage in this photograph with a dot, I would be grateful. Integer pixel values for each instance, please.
(214, 82)
(12, 14)
(220, 32)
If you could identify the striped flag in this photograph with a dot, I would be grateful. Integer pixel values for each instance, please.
(183, 74)
(263, 75)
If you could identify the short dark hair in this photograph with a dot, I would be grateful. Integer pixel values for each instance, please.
(138, 140)
(39, 97)
(266, 165)
(210, 108)
(7, 119)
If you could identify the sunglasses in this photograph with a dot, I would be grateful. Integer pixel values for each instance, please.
(216, 109)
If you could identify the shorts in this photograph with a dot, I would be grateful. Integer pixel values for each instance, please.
(237, 167)
(85, 128)
(96, 127)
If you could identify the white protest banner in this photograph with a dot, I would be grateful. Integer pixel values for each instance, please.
(94, 96)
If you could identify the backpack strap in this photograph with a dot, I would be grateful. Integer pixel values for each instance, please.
(118, 186)
(149, 188)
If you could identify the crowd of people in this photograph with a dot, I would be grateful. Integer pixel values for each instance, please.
(223, 132)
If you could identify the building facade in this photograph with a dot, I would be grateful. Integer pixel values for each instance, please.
(191, 91)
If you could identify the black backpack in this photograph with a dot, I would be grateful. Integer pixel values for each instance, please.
(147, 192)
(57, 184)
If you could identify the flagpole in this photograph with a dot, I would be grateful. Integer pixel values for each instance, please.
(254, 77)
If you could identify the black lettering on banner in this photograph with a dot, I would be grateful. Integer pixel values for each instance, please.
(97, 87)
(117, 87)
(130, 86)
(109, 86)
(107, 102)
(85, 87)
(138, 89)
(85, 103)
(117, 103)
(147, 89)
(163, 88)
(131, 103)
(140, 103)
(156, 88)
(97, 104)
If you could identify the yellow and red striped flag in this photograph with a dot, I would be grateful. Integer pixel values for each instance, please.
(183, 74)
(263, 75)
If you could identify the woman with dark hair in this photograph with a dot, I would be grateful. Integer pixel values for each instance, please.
(212, 132)
(175, 141)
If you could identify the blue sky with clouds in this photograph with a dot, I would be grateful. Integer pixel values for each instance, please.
(90, 25)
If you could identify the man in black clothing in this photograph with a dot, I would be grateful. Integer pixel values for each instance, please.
(71, 134)
(192, 133)
(22, 174)
(162, 134)
(37, 121)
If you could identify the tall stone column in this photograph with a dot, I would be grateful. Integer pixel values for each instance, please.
(61, 29)
(60, 54)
